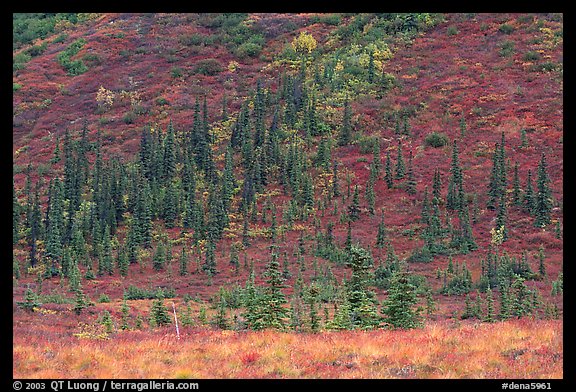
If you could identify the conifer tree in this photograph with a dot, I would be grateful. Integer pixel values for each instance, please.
(397, 124)
(477, 308)
(430, 303)
(311, 118)
(455, 184)
(468, 309)
(123, 261)
(106, 255)
(74, 278)
(490, 312)
(143, 216)
(371, 68)
(529, 201)
(252, 304)
(296, 314)
(259, 115)
(523, 138)
(400, 166)
(398, 308)
(312, 299)
(505, 303)
(410, 182)
(170, 206)
(354, 207)
(286, 274)
(348, 242)
(159, 259)
(34, 222)
(169, 156)
(363, 311)
(80, 301)
(436, 184)
(543, 202)
(435, 230)
(516, 200)
(521, 304)
(209, 265)
(221, 318)
(186, 316)
(342, 313)
(159, 313)
(106, 321)
(183, 262)
(125, 309)
(31, 300)
(228, 180)
(466, 237)
(406, 126)
(541, 262)
(56, 157)
(323, 156)
(388, 171)
(273, 301)
(425, 215)
(381, 234)
(462, 125)
(502, 216)
(54, 225)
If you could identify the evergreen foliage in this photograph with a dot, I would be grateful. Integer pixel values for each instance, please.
(362, 301)
(159, 314)
(543, 202)
(399, 307)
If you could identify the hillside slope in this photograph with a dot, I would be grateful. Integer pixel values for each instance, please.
(417, 85)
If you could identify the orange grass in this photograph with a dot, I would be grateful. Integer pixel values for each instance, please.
(512, 349)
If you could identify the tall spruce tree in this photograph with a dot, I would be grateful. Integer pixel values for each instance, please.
(502, 216)
(410, 181)
(399, 307)
(400, 165)
(54, 225)
(159, 313)
(505, 302)
(490, 311)
(159, 258)
(543, 202)
(362, 300)
(371, 67)
(541, 262)
(529, 199)
(455, 184)
(388, 178)
(275, 313)
(169, 156)
(516, 196)
(381, 234)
